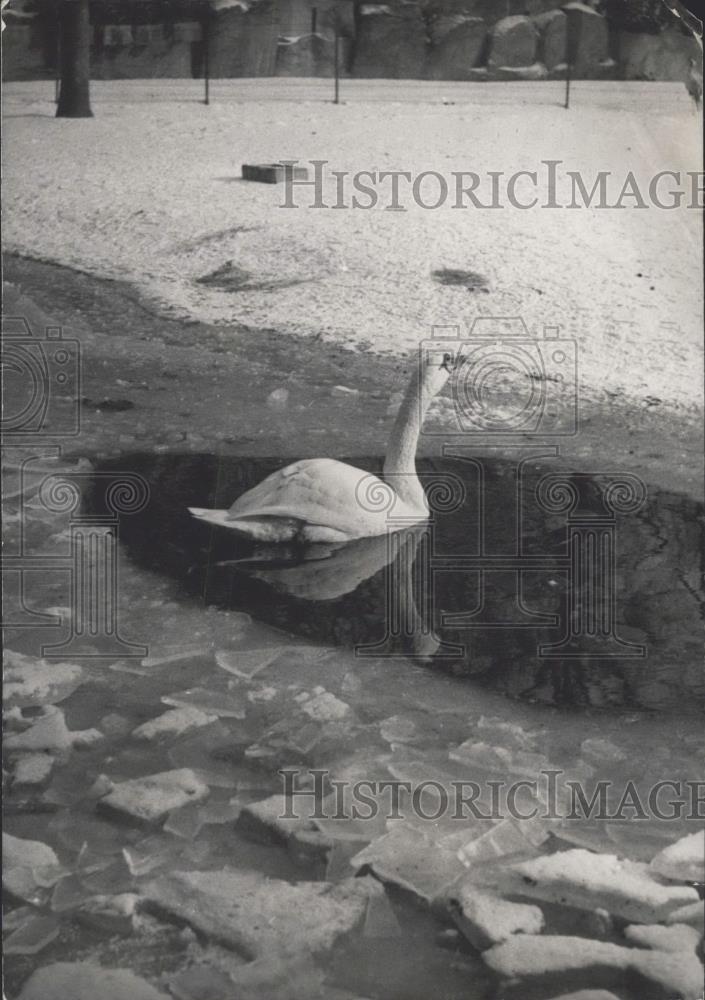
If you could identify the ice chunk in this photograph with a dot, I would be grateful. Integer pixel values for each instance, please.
(32, 682)
(683, 861)
(32, 770)
(213, 703)
(28, 865)
(624, 888)
(175, 722)
(260, 916)
(380, 919)
(246, 663)
(153, 797)
(201, 981)
(398, 729)
(485, 919)
(322, 706)
(32, 937)
(677, 937)
(411, 860)
(185, 822)
(505, 838)
(523, 957)
(86, 981)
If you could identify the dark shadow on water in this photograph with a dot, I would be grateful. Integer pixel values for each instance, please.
(477, 603)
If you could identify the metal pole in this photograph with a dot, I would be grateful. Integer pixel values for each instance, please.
(57, 71)
(206, 59)
(567, 86)
(336, 61)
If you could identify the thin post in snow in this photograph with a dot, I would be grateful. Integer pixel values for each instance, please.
(336, 65)
(567, 86)
(57, 56)
(206, 59)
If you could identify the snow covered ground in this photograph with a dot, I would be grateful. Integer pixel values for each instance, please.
(149, 191)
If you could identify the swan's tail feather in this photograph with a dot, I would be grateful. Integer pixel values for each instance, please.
(264, 529)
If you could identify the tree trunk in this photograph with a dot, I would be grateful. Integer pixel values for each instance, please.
(74, 57)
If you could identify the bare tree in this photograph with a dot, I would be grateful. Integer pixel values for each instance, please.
(74, 59)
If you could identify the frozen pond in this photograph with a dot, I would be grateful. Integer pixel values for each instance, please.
(269, 654)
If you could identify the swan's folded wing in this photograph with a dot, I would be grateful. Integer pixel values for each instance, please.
(319, 491)
(219, 517)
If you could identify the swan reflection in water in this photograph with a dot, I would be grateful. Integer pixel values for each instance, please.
(326, 572)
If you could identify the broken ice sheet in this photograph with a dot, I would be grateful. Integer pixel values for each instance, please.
(246, 663)
(409, 859)
(223, 704)
(69, 894)
(398, 729)
(151, 854)
(197, 752)
(167, 655)
(202, 982)
(380, 919)
(33, 936)
(79, 832)
(508, 837)
(508, 733)
(185, 822)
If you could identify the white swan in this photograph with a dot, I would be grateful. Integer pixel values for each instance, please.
(323, 500)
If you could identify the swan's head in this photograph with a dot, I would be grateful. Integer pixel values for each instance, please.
(437, 366)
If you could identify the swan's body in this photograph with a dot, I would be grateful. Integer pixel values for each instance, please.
(323, 500)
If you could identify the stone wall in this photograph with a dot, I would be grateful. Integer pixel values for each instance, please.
(403, 39)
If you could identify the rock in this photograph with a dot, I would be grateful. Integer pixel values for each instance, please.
(29, 682)
(586, 880)
(662, 56)
(683, 861)
(85, 981)
(152, 798)
(485, 919)
(309, 55)
(513, 42)
(524, 958)
(552, 27)
(457, 45)
(588, 39)
(28, 865)
(112, 914)
(257, 916)
(677, 937)
(390, 42)
(411, 860)
(33, 936)
(173, 723)
(32, 770)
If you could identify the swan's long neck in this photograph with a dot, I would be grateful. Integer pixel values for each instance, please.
(400, 463)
